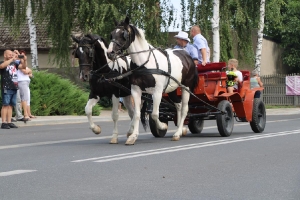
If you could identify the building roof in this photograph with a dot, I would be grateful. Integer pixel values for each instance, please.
(22, 40)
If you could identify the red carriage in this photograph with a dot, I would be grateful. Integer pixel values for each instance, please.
(210, 101)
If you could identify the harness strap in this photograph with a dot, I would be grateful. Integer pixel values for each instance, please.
(125, 89)
(161, 72)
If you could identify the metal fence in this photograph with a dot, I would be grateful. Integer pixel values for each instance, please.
(275, 91)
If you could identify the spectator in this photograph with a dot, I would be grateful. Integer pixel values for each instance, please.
(23, 83)
(201, 44)
(235, 77)
(255, 82)
(24, 76)
(9, 85)
(183, 42)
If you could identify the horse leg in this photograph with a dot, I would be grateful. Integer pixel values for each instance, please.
(155, 111)
(177, 102)
(185, 96)
(136, 94)
(88, 111)
(115, 118)
(130, 109)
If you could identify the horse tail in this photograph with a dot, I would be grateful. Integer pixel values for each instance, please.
(144, 118)
(195, 80)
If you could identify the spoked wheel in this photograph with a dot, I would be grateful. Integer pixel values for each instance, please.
(156, 132)
(258, 116)
(225, 122)
(196, 125)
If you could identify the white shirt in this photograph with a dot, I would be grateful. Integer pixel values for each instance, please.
(240, 77)
(22, 76)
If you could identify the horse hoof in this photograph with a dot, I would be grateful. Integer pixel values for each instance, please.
(184, 131)
(165, 127)
(113, 141)
(130, 141)
(97, 130)
(128, 135)
(176, 138)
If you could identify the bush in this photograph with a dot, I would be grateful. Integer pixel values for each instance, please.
(52, 95)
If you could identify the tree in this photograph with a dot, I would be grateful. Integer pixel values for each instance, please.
(215, 29)
(260, 36)
(282, 25)
(63, 16)
(32, 33)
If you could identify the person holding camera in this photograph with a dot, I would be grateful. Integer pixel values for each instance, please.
(9, 84)
(23, 84)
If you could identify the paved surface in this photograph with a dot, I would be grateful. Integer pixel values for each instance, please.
(105, 115)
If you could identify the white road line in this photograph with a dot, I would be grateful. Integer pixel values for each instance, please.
(15, 172)
(65, 141)
(188, 147)
(108, 137)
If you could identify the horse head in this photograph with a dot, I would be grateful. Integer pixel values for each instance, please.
(90, 54)
(121, 38)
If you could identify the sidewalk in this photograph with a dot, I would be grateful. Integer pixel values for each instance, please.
(105, 115)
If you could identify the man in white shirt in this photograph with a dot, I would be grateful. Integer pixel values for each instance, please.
(201, 44)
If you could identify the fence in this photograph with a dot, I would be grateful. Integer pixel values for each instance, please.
(275, 91)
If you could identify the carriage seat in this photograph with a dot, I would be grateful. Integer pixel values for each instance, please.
(218, 66)
(213, 76)
(246, 75)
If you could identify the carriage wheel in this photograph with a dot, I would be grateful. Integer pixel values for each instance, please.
(225, 122)
(196, 125)
(156, 132)
(258, 116)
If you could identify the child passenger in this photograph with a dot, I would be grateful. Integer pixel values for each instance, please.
(235, 77)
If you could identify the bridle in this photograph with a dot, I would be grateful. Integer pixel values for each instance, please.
(91, 50)
(126, 36)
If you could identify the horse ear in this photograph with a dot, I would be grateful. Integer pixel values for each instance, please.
(127, 20)
(75, 39)
(90, 36)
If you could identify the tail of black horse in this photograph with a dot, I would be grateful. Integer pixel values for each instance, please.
(195, 80)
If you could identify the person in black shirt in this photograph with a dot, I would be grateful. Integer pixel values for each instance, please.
(9, 84)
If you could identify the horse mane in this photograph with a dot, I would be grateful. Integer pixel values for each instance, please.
(95, 36)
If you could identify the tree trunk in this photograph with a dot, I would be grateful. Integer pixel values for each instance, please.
(32, 34)
(260, 36)
(215, 29)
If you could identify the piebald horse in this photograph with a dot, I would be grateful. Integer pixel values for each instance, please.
(154, 72)
(95, 67)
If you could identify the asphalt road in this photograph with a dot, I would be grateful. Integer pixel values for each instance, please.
(70, 162)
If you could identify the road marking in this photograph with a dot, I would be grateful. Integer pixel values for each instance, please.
(65, 141)
(15, 172)
(185, 147)
(108, 137)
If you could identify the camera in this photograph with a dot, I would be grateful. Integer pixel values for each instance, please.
(20, 56)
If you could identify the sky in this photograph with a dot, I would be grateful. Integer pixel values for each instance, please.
(176, 4)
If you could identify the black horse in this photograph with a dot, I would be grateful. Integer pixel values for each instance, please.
(96, 68)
